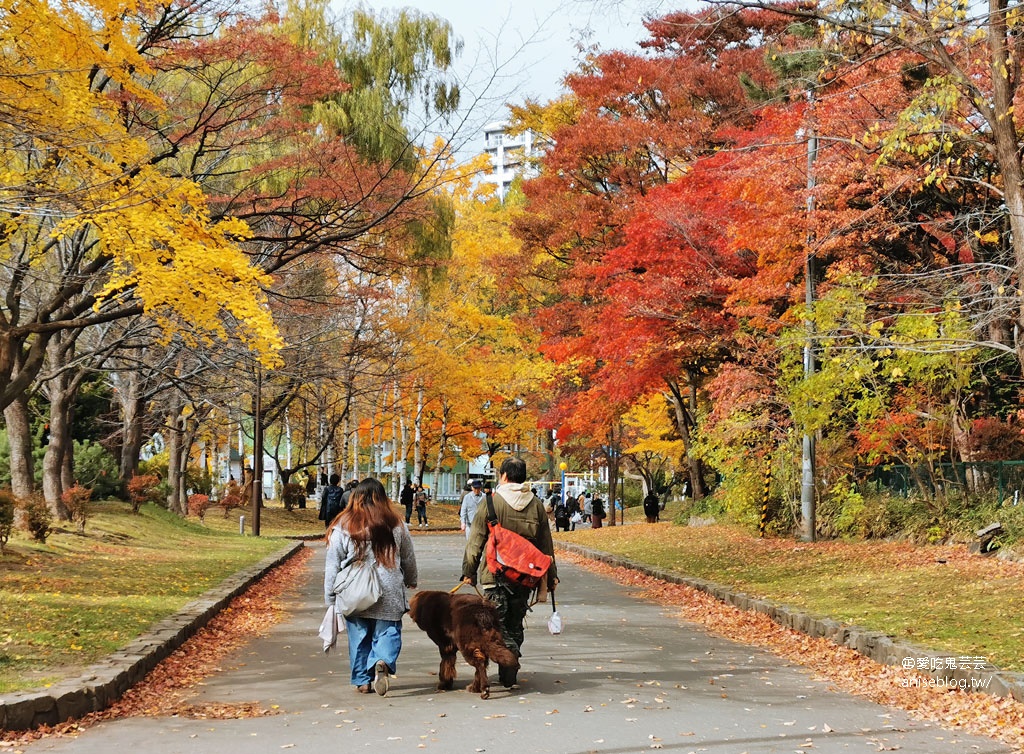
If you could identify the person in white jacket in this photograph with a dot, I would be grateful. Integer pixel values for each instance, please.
(370, 529)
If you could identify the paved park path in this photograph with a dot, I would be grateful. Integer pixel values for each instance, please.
(624, 676)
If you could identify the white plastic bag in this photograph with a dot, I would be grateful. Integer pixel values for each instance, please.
(555, 623)
(329, 629)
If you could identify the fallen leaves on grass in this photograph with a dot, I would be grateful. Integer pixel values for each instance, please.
(166, 689)
(847, 670)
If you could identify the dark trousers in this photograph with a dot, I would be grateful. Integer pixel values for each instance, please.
(512, 602)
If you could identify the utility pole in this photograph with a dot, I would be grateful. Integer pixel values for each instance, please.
(257, 454)
(807, 501)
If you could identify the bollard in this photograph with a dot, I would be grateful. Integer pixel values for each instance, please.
(764, 500)
(241, 525)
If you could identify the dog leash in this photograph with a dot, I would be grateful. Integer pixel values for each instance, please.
(461, 584)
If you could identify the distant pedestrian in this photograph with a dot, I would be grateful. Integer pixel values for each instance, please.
(652, 506)
(575, 511)
(561, 516)
(470, 503)
(371, 531)
(352, 483)
(407, 498)
(331, 500)
(597, 513)
(421, 507)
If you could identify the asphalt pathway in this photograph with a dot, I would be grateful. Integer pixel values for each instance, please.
(624, 676)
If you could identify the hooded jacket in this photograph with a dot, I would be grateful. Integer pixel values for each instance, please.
(519, 510)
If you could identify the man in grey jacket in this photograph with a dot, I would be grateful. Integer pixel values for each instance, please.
(517, 509)
(470, 502)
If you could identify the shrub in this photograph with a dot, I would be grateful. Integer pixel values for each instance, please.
(844, 512)
(38, 520)
(143, 488)
(96, 469)
(232, 497)
(77, 501)
(293, 496)
(197, 505)
(6, 517)
(198, 480)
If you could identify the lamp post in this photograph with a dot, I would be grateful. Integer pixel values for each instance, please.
(563, 466)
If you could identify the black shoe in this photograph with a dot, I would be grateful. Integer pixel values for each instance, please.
(508, 675)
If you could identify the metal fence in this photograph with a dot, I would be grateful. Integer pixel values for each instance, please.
(1003, 480)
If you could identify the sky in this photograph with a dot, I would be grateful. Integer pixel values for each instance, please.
(519, 49)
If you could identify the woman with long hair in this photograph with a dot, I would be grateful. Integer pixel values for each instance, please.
(369, 529)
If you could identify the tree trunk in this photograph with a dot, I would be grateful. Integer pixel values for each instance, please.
(683, 422)
(548, 445)
(59, 445)
(440, 447)
(613, 483)
(134, 437)
(174, 450)
(62, 390)
(343, 456)
(403, 428)
(417, 439)
(129, 394)
(396, 473)
(19, 436)
(354, 447)
(1003, 123)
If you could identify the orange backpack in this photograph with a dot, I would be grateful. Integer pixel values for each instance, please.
(512, 556)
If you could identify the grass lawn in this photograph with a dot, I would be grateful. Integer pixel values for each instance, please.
(939, 597)
(74, 599)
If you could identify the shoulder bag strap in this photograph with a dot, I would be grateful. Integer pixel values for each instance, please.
(492, 517)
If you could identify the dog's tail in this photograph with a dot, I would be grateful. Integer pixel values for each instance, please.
(499, 653)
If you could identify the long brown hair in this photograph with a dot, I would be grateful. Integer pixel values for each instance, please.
(369, 519)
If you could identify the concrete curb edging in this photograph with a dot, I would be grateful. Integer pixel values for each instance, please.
(882, 648)
(105, 682)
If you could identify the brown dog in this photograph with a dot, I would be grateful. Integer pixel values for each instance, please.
(465, 623)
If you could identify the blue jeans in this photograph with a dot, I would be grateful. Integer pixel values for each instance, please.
(370, 640)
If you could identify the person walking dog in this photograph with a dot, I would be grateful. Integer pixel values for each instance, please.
(517, 509)
(369, 533)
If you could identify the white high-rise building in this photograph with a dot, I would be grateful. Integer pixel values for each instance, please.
(509, 156)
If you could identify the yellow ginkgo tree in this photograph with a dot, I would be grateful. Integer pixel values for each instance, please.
(90, 231)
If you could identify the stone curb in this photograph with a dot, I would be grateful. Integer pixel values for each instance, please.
(105, 682)
(947, 671)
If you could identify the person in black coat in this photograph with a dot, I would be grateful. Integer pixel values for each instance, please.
(406, 498)
(331, 503)
(651, 507)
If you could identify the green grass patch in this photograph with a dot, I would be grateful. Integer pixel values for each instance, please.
(74, 599)
(938, 597)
